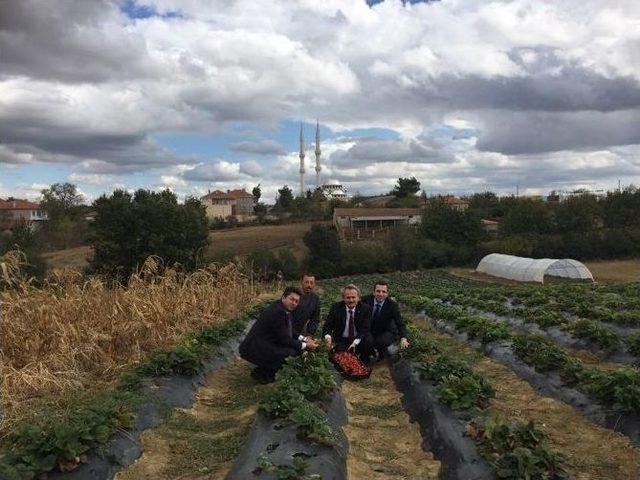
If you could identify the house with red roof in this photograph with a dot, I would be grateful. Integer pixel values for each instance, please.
(15, 210)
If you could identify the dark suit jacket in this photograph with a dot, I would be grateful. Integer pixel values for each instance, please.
(270, 338)
(389, 319)
(337, 319)
(306, 317)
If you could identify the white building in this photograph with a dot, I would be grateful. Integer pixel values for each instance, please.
(333, 191)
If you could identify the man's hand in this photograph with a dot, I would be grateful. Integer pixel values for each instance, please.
(404, 343)
(311, 343)
(352, 347)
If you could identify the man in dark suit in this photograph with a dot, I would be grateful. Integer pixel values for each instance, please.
(347, 325)
(306, 317)
(271, 339)
(387, 325)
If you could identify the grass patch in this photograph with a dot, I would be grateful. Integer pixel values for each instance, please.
(383, 412)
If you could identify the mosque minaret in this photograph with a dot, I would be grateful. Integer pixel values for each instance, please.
(318, 152)
(329, 190)
(301, 162)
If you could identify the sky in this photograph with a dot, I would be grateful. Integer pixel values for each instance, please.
(197, 95)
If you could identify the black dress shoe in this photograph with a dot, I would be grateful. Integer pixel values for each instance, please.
(261, 377)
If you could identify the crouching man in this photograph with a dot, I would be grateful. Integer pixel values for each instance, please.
(347, 326)
(271, 339)
(388, 330)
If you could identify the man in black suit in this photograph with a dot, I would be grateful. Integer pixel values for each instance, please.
(271, 339)
(306, 317)
(347, 325)
(387, 325)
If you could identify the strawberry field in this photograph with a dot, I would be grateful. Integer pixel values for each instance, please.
(499, 382)
(535, 378)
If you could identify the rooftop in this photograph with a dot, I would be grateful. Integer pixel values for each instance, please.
(19, 204)
(238, 193)
(376, 212)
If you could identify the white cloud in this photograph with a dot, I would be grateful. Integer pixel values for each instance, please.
(172, 181)
(83, 85)
(91, 178)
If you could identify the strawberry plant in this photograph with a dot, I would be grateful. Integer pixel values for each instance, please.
(466, 392)
(595, 333)
(296, 471)
(620, 388)
(633, 344)
(517, 450)
(458, 386)
(545, 356)
(299, 383)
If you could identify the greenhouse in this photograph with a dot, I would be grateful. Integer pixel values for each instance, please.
(532, 270)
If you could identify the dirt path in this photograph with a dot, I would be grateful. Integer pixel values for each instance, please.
(383, 444)
(593, 452)
(202, 442)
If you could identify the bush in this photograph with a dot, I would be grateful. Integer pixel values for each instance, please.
(365, 257)
(22, 238)
(129, 228)
(325, 251)
(267, 264)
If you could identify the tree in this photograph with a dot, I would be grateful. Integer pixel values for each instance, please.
(485, 204)
(411, 201)
(257, 193)
(325, 253)
(406, 187)
(443, 223)
(260, 210)
(578, 214)
(528, 216)
(620, 208)
(65, 225)
(285, 198)
(128, 228)
(61, 200)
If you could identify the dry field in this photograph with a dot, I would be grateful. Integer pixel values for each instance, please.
(76, 258)
(243, 241)
(235, 241)
(615, 270)
(73, 336)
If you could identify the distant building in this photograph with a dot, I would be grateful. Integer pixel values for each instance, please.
(453, 202)
(363, 223)
(556, 196)
(232, 203)
(490, 226)
(334, 191)
(16, 210)
(331, 191)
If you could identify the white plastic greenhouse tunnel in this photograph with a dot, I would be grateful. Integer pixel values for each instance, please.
(524, 269)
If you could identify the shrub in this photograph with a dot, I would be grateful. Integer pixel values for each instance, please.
(129, 228)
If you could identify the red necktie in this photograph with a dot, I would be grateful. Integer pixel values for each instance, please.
(352, 326)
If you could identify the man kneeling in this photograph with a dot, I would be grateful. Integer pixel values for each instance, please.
(387, 325)
(347, 325)
(271, 340)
